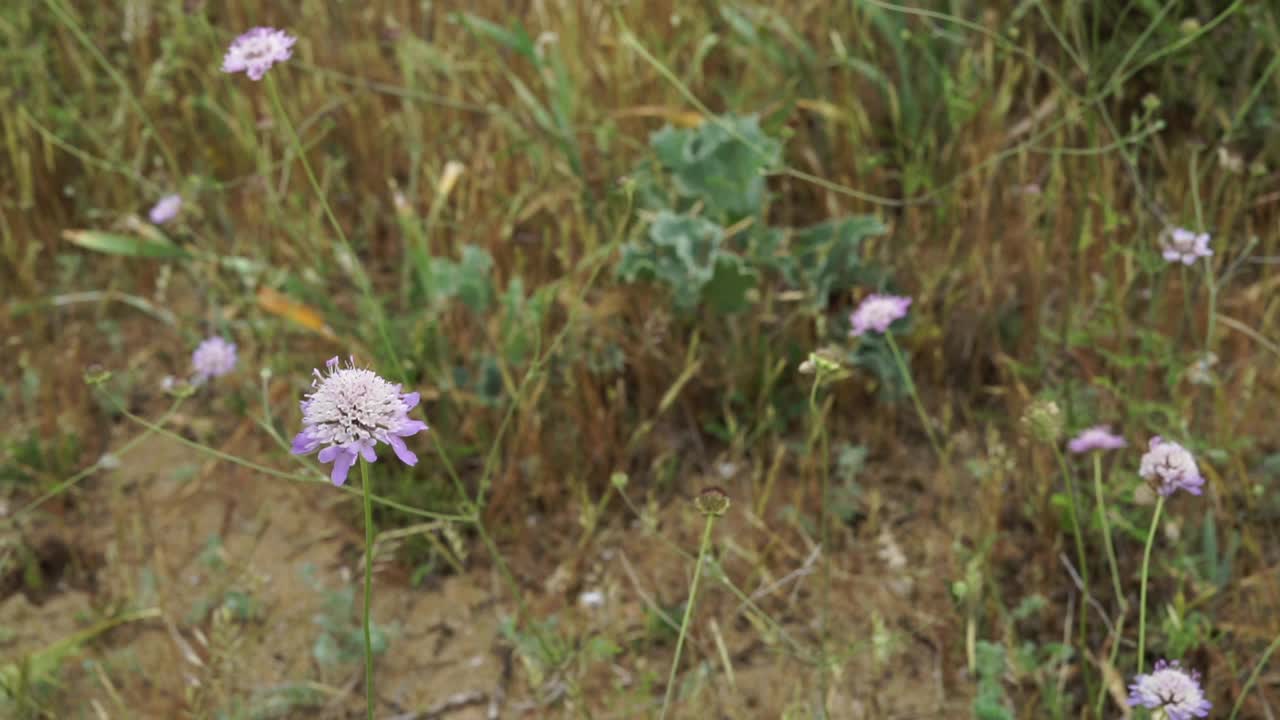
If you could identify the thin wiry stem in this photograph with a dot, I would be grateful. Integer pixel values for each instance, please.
(362, 279)
(915, 398)
(296, 477)
(1081, 556)
(1142, 592)
(74, 479)
(1253, 676)
(368, 587)
(818, 428)
(1106, 531)
(688, 613)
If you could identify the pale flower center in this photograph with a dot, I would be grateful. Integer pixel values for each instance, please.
(881, 311)
(353, 405)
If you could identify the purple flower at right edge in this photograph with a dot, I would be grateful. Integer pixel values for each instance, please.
(349, 411)
(877, 312)
(254, 52)
(1168, 467)
(1098, 437)
(1171, 689)
(1184, 246)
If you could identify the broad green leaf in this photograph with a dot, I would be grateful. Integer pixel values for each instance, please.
(127, 245)
(475, 284)
(727, 289)
(720, 163)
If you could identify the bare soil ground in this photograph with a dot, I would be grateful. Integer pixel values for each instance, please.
(175, 531)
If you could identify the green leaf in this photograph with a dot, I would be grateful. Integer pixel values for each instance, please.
(517, 39)
(128, 245)
(681, 252)
(475, 287)
(727, 289)
(468, 280)
(827, 256)
(721, 163)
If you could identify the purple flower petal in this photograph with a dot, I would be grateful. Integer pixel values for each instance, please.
(165, 209)
(254, 52)
(1098, 437)
(350, 411)
(341, 466)
(1169, 467)
(877, 312)
(302, 444)
(402, 451)
(212, 358)
(411, 427)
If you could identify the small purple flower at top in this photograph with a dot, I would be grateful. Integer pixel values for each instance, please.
(1184, 246)
(349, 411)
(254, 52)
(1098, 437)
(166, 209)
(212, 358)
(877, 312)
(1168, 467)
(1171, 689)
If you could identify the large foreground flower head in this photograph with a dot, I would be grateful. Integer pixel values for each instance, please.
(1098, 437)
(212, 358)
(1171, 689)
(1168, 467)
(349, 411)
(877, 312)
(1184, 246)
(254, 52)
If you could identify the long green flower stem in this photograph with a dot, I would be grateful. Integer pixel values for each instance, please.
(915, 398)
(362, 280)
(688, 613)
(368, 587)
(1142, 593)
(1106, 531)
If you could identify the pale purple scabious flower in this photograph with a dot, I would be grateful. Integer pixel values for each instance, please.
(214, 357)
(1171, 689)
(166, 209)
(1098, 437)
(254, 52)
(349, 412)
(877, 312)
(1184, 246)
(1169, 467)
